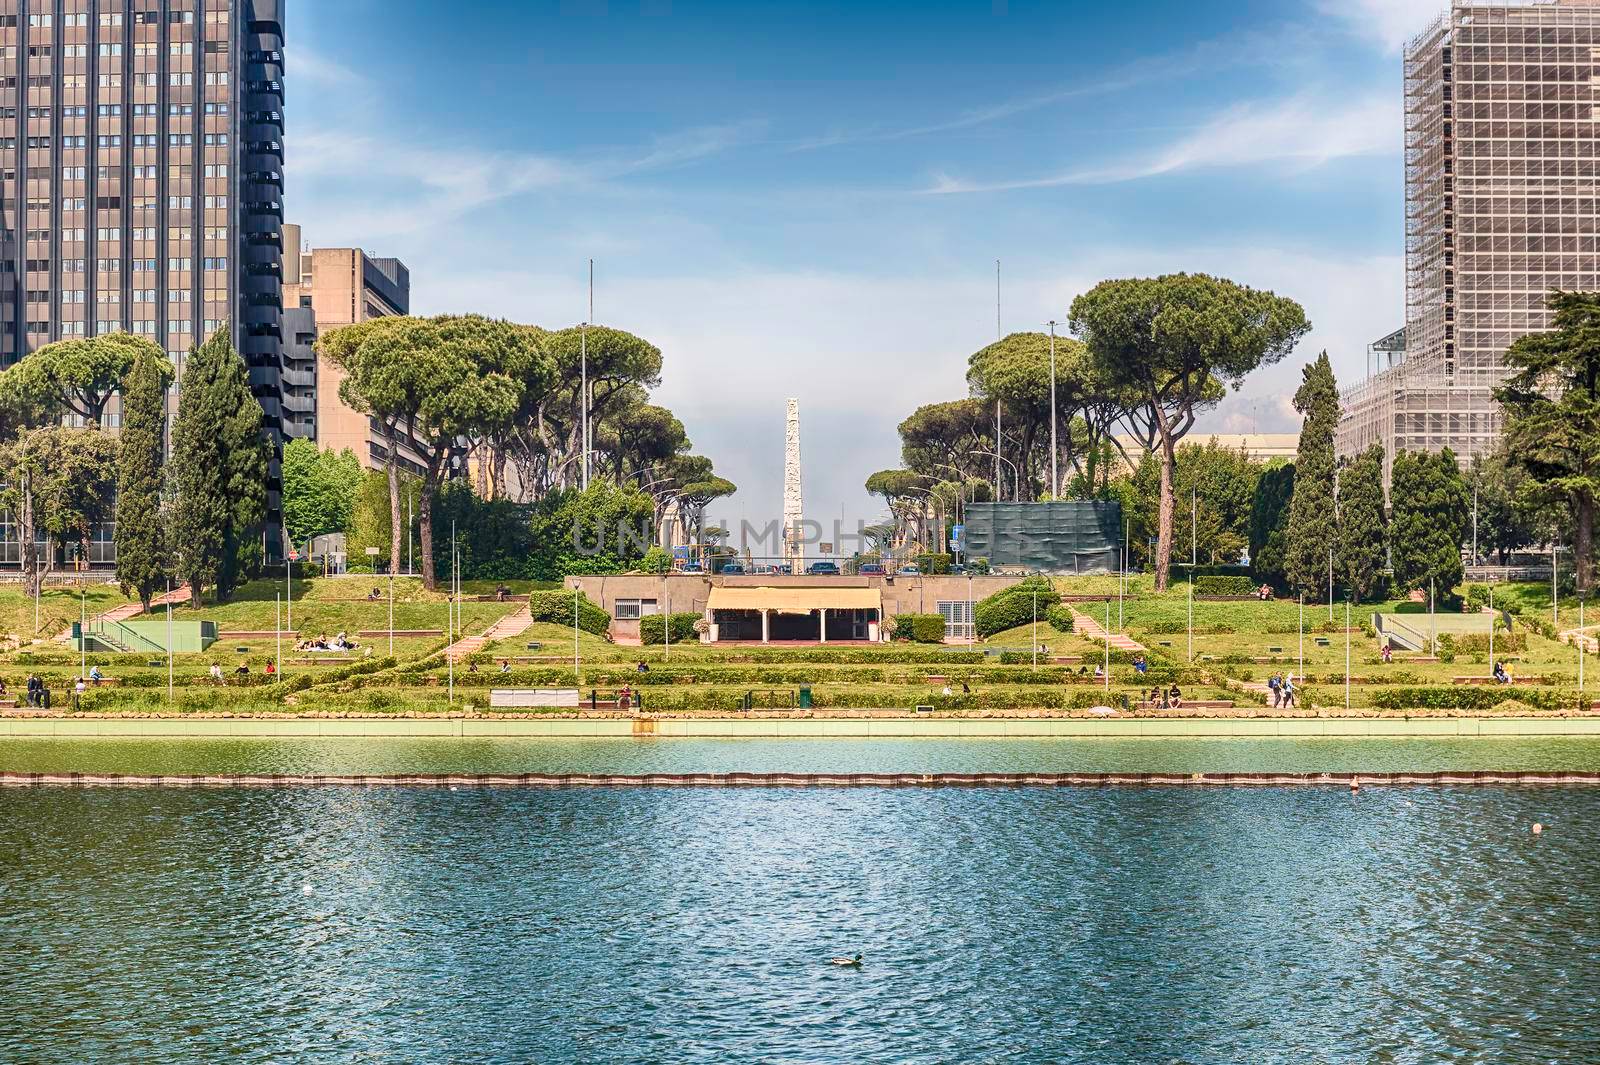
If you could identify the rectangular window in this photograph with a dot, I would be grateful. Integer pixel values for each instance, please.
(634, 609)
(957, 619)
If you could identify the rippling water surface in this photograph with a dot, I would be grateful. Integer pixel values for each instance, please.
(1111, 925)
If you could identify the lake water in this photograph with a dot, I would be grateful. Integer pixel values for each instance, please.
(682, 925)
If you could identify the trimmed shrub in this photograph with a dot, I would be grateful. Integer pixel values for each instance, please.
(980, 566)
(935, 564)
(1477, 598)
(1483, 697)
(1213, 584)
(653, 628)
(1060, 618)
(556, 607)
(1013, 606)
(919, 628)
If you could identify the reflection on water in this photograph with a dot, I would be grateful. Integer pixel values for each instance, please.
(1108, 925)
(377, 756)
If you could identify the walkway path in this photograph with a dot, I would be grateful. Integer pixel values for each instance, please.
(1589, 642)
(1089, 628)
(507, 628)
(177, 597)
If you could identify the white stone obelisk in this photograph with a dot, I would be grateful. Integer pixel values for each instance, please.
(794, 551)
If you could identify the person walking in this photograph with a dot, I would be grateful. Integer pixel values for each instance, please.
(77, 694)
(1275, 686)
(1288, 691)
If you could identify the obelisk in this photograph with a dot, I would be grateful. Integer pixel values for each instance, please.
(794, 551)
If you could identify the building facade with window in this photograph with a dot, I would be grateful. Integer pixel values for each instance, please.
(1502, 140)
(141, 179)
(338, 287)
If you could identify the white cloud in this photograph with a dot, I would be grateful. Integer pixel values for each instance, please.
(1302, 131)
(1391, 22)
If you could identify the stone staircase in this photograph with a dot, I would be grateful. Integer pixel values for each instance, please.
(1582, 638)
(1089, 628)
(177, 597)
(508, 627)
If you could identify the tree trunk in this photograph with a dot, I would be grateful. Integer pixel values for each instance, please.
(430, 484)
(1169, 464)
(394, 505)
(196, 598)
(1583, 542)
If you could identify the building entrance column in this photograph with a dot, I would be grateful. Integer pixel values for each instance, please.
(765, 629)
(823, 628)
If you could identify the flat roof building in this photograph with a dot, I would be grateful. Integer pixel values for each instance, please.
(338, 287)
(1502, 148)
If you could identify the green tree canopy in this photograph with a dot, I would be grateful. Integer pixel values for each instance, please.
(1269, 522)
(319, 489)
(1552, 415)
(1363, 524)
(1430, 512)
(1508, 504)
(79, 375)
(144, 553)
(60, 482)
(443, 379)
(219, 464)
(1313, 522)
(1176, 341)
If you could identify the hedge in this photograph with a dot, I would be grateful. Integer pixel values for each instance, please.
(933, 563)
(556, 606)
(1060, 618)
(1213, 584)
(653, 627)
(1464, 698)
(1013, 606)
(919, 628)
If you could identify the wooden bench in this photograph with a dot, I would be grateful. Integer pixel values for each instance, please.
(1191, 704)
(1066, 660)
(104, 682)
(1491, 680)
(321, 660)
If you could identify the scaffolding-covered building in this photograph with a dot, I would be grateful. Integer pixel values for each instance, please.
(1502, 111)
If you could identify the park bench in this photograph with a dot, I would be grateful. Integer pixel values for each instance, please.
(1191, 704)
(1066, 660)
(1230, 599)
(936, 679)
(1490, 680)
(370, 633)
(536, 659)
(259, 634)
(320, 660)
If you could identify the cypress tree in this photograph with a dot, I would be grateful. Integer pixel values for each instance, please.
(144, 560)
(219, 467)
(1312, 523)
(1430, 517)
(1363, 526)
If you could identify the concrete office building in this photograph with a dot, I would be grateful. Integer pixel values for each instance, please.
(1502, 140)
(324, 289)
(141, 178)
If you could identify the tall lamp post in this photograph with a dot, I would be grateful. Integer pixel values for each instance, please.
(1055, 451)
(1016, 477)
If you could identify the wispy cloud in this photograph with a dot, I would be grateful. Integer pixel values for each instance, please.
(1252, 49)
(1305, 131)
(1391, 22)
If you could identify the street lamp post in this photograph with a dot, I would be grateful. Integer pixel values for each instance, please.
(1016, 476)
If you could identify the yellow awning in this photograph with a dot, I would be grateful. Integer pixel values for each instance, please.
(795, 600)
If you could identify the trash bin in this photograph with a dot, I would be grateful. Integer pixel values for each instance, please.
(805, 698)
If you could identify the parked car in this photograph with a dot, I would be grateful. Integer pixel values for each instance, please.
(733, 569)
(690, 567)
(870, 568)
(823, 569)
(910, 570)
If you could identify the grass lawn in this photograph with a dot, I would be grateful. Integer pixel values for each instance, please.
(58, 607)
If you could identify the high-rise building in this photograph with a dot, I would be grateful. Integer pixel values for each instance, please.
(324, 289)
(1502, 142)
(141, 179)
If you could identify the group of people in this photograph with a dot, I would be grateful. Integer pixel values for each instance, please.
(1502, 675)
(38, 693)
(1282, 688)
(1264, 593)
(339, 643)
(1169, 699)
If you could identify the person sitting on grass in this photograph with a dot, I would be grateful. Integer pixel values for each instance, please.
(644, 667)
(243, 670)
(374, 595)
(472, 665)
(272, 669)
(505, 665)
(1388, 654)
(1140, 666)
(215, 672)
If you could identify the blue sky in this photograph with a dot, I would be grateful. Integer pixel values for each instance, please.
(808, 199)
